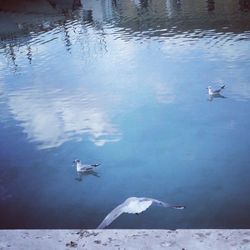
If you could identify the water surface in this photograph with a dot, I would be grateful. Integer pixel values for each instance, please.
(124, 83)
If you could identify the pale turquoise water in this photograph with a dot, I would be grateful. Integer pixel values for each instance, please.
(124, 83)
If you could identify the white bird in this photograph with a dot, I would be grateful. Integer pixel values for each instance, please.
(212, 92)
(82, 168)
(133, 205)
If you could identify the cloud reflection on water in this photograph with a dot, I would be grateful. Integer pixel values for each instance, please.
(52, 118)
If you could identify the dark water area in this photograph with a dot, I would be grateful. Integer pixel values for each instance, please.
(124, 83)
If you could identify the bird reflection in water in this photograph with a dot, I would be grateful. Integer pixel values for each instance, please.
(211, 97)
(81, 175)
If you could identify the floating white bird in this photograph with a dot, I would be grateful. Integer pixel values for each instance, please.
(215, 93)
(83, 168)
(133, 205)
(212, 92)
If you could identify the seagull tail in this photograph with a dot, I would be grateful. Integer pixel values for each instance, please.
(95, 165)
(179, 207)
(223, 86)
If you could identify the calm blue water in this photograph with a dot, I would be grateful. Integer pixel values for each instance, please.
(124, 83)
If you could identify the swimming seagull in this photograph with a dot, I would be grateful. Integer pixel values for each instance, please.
(215, 92)
(83, 168)
(134, 205)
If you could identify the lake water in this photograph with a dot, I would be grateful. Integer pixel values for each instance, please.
(124, 84)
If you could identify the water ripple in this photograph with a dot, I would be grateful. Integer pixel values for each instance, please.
(123, 82)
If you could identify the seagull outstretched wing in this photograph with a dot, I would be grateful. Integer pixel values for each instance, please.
(111, 216)
(164, 204)
(134, 205)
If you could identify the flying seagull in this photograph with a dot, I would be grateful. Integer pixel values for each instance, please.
(83, 168)
(134, 205)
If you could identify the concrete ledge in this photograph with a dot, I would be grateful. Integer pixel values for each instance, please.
(125, 239)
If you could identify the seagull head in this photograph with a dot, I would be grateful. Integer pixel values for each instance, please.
(75, 162)
(210, 91)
